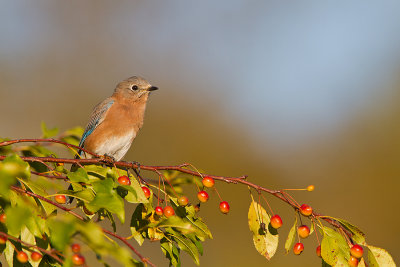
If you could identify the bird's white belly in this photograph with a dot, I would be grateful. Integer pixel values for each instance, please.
(116, 146)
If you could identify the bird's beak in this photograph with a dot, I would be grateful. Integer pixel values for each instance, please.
(153, 88)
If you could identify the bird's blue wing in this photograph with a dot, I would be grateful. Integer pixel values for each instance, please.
(96, 118)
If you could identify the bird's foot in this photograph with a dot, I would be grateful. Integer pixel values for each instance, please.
(137, 169)
(107, 159)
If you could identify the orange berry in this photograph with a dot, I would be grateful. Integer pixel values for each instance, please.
(208, 181)
(61, 199)
(78, 259)
(298, 248)
(306, 210)
(353, 261)
(318, 251)
(36, 256)
(202, 196)
(146, 192)
(22, 257)
(159, 211)
(276, 221)
(169, 211)
(3, 218)
(124, 180)
(183, 201)
(224, 207)
(303, 231)
(76, 248)
(357, 251)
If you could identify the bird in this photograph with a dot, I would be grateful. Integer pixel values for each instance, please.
(116, 121)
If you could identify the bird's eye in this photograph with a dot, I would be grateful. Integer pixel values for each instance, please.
(134, 87)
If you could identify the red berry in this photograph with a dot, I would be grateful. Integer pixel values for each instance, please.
(3, 239)
(208, 181)
(318, 251)
(303, 231)
(353, 261)
(76, 248)
(357, 251)
(61, 199)
(183, 201)
(306, 210)
(298, 248)
(35, 256)
(159, 211)
(276, 221)
(202, 196)
(3, 218)
(124, 180)
(146, 192)
(78, 259)
(169, 211)
(224, 207)
(22, 257)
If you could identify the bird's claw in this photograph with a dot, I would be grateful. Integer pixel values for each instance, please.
(107, 159)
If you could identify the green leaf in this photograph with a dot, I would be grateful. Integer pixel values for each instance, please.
(333, 247)
(107, 198)
(61, 232)
(80, 175)
(185, 244)
(175, 222)
(46, 133)
(170, 251)
(11, 168)
(92, 232)
(84, 194)
(135, 193)
(29, 238)
(16, 217)
(358, 235)
(138, 224)
(9, 253)
(72, 136)
(379, 257)
(48, 208)
(291, 236)
(266, 242)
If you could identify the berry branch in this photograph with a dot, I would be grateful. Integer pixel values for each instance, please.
(20, 190)
(51, 253)
(103, 191)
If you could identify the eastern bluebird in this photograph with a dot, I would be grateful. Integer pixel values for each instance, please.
(115, 122)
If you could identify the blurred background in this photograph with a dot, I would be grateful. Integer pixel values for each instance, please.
(290, 93)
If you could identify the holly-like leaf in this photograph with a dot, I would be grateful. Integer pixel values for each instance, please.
(265, 241)
(291, 236)
(379, 257)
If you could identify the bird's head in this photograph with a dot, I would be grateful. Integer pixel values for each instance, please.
(135, 88)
